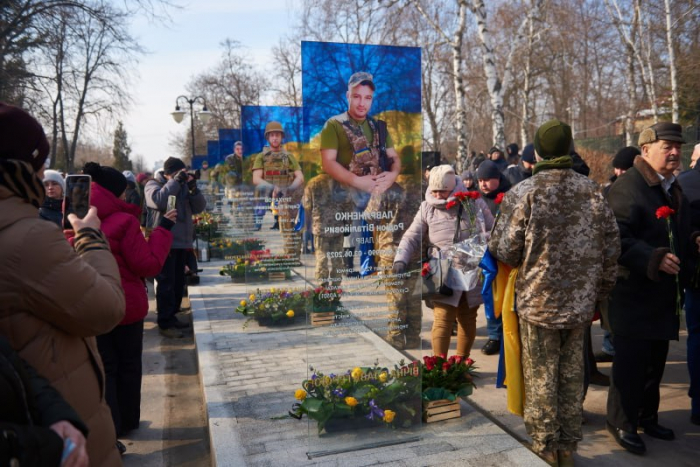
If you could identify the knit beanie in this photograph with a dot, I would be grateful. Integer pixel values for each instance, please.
(624, 159)
(442, 178)
(487, 170)
(172, 165)
(54, 176)
(553, 139)
(22, 137)
(528, 154)
(141, 177)
(107, 177)
(129, 176)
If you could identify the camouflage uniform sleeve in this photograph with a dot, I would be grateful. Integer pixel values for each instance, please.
(611, 251)
(508, 235)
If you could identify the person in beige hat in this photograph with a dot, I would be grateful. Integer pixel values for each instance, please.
(644, 311)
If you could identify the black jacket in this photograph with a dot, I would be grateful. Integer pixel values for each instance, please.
(52, 210)
(517, 174)
(690, 183)
(30, 405)
(643, 302)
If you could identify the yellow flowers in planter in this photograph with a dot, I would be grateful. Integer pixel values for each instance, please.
(300, 394)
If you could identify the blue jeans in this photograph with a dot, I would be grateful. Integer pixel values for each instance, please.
(692, 319)
(608, 346)
(494, 328)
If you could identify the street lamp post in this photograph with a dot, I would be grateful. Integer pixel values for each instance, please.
(204, 114)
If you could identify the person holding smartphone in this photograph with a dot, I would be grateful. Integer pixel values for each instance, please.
(122, 347)
(173, 180)
(55, 298)
(37, 426)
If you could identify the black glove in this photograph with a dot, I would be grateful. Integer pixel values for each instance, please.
(192, 184)
(399, 267)
(181, 177)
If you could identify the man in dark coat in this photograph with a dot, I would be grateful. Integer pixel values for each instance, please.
(690, 182)
(644, 305)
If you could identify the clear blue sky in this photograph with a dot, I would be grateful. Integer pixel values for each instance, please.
(190, 44)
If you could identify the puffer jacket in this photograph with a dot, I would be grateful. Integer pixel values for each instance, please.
(51, 210)
(435, 224)
(137, 257)
(157, 192)
(29, 407)
(52, 304)
(559, 231)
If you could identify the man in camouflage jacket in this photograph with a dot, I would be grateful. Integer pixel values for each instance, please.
(557, 229)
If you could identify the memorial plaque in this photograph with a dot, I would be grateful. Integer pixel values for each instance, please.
(362, 121)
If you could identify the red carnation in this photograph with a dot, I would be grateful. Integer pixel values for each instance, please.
(445, 366)
(450, 204)
(470, 361)
(499, 198)
(474, 195)
(425, 270)
(664, 212)
(461, 195)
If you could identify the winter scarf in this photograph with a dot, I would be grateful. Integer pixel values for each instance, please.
(563, 162)
(22, 180)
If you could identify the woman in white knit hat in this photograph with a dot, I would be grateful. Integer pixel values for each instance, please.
(435, 224)
(51, 208)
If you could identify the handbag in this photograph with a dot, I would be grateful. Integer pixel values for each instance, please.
(435, 277)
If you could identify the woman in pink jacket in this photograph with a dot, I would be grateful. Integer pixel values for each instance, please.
(121, 348)
(435, 224)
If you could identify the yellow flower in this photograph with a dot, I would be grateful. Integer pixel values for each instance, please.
(356, 373)
(300, 395)
(383, 376)
(272, 290)
(290, 314)
(389, 416)
(243, 303)
(251, 297)
(351, 401)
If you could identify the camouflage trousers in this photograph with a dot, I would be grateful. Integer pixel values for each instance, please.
(329, 251)
(404, 310)
(552, 361)
(287, 213)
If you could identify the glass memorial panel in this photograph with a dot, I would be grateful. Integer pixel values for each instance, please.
(362, 191)
(271, 200)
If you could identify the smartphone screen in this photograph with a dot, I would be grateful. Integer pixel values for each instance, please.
(171, 202)
(77, 198)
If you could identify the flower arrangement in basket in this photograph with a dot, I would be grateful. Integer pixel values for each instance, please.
(225, 247)
(326, 299)
(447, 378)
(206, 224)
(273, 306)
(363, 396)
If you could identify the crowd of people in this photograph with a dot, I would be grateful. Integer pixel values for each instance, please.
(71, 360)
(626, 253)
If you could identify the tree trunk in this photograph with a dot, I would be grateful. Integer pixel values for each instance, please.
(672, 63)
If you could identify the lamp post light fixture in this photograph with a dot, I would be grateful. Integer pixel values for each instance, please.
(204, 114)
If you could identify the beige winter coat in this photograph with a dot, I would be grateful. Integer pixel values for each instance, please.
(52, 304)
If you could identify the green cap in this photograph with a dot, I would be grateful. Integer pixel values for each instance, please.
(553, 139)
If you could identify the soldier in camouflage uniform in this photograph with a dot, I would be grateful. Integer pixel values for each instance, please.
(278, 173)
(402, 200)
(322, 200)
(557, 229)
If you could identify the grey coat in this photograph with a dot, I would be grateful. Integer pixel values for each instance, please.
(157, 192)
